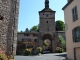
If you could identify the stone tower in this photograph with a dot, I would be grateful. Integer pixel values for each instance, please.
(47, 27)
(8, 25)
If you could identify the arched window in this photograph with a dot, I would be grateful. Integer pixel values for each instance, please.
(76, 34)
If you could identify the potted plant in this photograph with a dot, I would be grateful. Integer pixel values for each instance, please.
(27, 52)
(2, 57)
(40, 50)
(59, 50)
(11, 57)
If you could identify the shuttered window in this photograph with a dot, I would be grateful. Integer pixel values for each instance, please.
(76, 34)
(75, 14)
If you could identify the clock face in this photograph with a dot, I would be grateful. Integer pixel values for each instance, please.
(47, 15)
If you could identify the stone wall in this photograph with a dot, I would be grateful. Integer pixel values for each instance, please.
(61, 33)
(8, 26)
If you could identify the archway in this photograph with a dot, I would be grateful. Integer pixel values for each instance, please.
(47, 42)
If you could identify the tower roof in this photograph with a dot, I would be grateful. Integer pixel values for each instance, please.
(46, 9)
(46, 4)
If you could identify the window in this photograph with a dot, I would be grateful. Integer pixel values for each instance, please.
(35, 40)
(43, 13)
(76, 34)
(47, 15)
(26, 34)
(35, 35)
(75, 14)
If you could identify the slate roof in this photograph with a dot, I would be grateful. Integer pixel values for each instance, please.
(47, 10)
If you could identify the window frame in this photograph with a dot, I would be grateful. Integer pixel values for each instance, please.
(25, 34)
(75, 13)
(74, 34)
(47, 15)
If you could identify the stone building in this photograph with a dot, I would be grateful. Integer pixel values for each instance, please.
(47, 31)
(29, 39)
(26, 40)
(8, 25)
(72, 24)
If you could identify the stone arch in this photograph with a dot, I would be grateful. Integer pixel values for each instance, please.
(47, 38)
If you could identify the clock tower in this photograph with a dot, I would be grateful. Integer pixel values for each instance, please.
(47, 27)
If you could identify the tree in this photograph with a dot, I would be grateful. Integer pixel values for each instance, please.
(60, 26)
(21, 31)
(34, 28)
(63, 42)
(26, 30)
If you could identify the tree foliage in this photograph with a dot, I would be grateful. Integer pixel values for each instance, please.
(34, 28)
(60, 25)
(26, 30)
(62, 40)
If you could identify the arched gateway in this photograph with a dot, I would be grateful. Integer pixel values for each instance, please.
(47, 39)
(47, 32)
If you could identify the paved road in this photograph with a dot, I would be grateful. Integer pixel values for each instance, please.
(42, 57)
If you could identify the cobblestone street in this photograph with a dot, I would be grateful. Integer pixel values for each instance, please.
(42, 57)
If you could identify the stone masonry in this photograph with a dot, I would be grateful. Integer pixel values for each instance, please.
(8, 25)
(47, 27)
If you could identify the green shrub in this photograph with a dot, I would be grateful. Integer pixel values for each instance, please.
(27, 52)
(59, 50)
(10, 57)
(39, 49)
(45, 44)
(34, 51)
(2, 56)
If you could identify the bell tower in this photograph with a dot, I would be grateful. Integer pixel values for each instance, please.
(46, 25)
(47, 19)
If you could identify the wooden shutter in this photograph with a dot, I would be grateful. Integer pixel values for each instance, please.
(76, 13)
(79, 33)
(73, 35)
(73, 15)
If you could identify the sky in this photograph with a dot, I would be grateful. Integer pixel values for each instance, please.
(28, 12)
